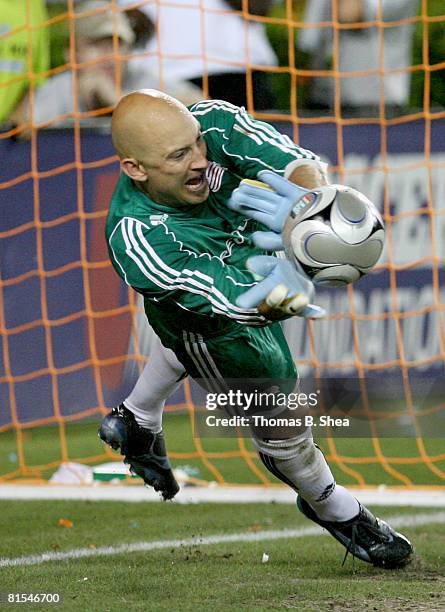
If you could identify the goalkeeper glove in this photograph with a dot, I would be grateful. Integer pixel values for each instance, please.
(269, 202)
(282, 293)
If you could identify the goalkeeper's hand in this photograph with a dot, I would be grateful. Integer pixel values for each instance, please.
(282, 293)
(269, 202)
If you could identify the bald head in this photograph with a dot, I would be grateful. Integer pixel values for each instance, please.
(161, 148)
(145, 120)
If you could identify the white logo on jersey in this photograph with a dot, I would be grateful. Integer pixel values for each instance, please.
(157, 219)
(237, 238)
(214, 175)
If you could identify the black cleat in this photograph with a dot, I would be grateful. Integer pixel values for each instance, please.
(366, 537)
(144, 450)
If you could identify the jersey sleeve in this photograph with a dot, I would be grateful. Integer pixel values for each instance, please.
(246, 145)
(156, 264)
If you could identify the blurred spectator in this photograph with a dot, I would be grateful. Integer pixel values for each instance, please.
(102, 40)
(361, 49)
(15, 53)
(140, 23)
(211, 38)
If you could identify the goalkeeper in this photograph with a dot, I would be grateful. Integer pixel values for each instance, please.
(174, 239)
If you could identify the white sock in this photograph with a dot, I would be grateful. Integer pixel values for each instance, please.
(161, 376)
(302, 466)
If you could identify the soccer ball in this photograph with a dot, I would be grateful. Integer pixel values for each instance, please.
(334, 234)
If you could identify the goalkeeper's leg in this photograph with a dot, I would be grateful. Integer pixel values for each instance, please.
(299, 463)
(161, 376)
(135, 427)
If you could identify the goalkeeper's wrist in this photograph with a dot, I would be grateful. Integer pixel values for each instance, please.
(309, 174)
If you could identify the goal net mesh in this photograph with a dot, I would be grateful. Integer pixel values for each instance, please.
(74, 337)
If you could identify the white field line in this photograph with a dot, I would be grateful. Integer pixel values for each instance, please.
(380, 496)
(399, 521)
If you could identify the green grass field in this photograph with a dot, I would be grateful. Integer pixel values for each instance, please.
(302, 573)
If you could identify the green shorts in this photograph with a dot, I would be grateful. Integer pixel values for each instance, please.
(251, 355)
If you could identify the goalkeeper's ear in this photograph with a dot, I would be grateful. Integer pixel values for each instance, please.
(133, 169)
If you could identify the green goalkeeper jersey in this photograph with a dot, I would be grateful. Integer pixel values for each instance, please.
(189, 263)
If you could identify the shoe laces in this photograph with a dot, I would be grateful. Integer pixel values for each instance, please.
(367, 533)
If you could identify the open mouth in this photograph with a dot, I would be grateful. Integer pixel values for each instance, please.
(197, 182)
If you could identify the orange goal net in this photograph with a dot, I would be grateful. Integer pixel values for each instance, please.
(74, 338)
